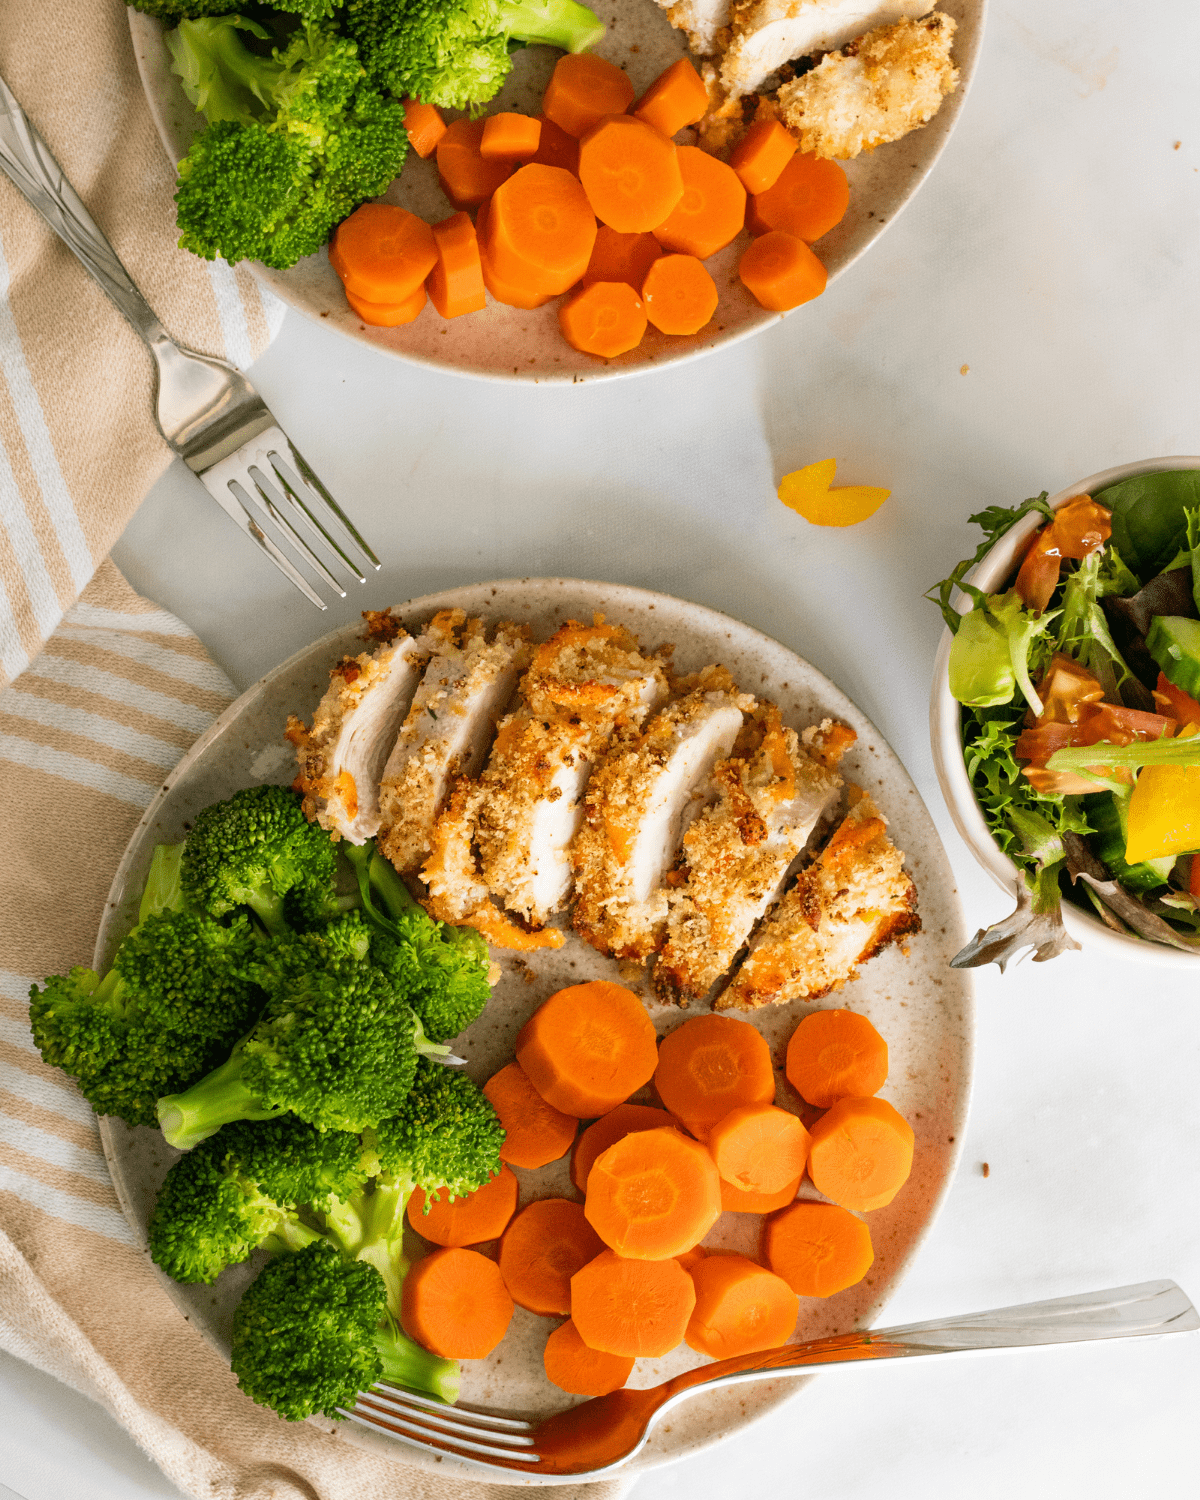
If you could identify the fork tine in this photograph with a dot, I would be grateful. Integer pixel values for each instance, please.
(308, 475)
(243, 518)
(424, 1437)
(453, 1419)
(283, 480)
(402, 1395)
(269, 504)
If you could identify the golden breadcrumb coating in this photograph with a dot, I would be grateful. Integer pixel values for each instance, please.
(853, 900)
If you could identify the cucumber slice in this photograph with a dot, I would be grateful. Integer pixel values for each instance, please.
(1106, 816)
(1174, 643)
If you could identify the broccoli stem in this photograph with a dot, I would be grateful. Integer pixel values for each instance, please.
(557, 23)
(394, 894)
(218, 1099)
(267, 906)
(291, 1235)
(406, 1363)
(163, 891)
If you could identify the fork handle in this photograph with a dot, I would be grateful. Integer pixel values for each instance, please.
(26, 158)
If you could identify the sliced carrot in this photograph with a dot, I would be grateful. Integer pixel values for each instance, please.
(455, 284)
(679, 294)
(535, 1133)
(676, 98)
(653, 1195)
(540, 230)
(621, 257)
(606, 318)
(759, 1148)
(424, 125)
(387, 314)
(740, 1308)
(781, 272)
(467, 178)
(510, 137)
(690, 1259)
(861, 1154)
(633, 1308)
(710, 1065)
(761, 155)
(573, 1367)
(836, 1054)
(382, 253)
(455, 1303)
(734, 1200)
(607, 1131)
(511, 295)
(481, 1216)
(818, 1248)
(556, 148)
(582, 88)
(541, 1250)
(630, 172)
(710, 212)
(807, 199)
(588, 1047)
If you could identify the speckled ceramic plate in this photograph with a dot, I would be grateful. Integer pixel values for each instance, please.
(921, 1006)
(504, 343)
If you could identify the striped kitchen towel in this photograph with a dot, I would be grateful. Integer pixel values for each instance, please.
(86, 735)
(78, 443)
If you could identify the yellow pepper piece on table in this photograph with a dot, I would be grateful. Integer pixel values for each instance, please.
(807, 492)
(1164, 813)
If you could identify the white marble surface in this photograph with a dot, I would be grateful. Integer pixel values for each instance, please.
(1054, 253)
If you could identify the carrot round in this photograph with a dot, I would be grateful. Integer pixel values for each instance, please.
(607, 1131)
(631, 173)
(535, 1133)
(807, 199)
(740, 1308)
(676, 98)
(836, 1054)
(735, 1201)
(606, 318)
(541, 1250)
(455, 1303)
(510, 137)
(588, 1047)
(861, 1153)
(382, 253)
(710, 1065)
(818, 1248)
(781, 272)
(573, 1367)
(503, 290)
(621, 257)
(424, 125)
(540, 230)
(455, 284)
(759, 1148)
(480, 1216)
(711, 210)
(653, 1195)
(679, 294)
(633, 1308)
(582, 88)
(556, 148)
(690, 1259)
(387, 314)
(761, 155)
(467, 178)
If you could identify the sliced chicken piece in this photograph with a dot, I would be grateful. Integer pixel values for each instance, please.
(465, 689)
(638, 804)
(768, 33)
(853, 900)
(873, 91)
(586, 684)
(770, 798)
(701, 21)
(354, 727)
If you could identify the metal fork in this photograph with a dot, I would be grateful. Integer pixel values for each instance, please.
(207, 411)
(597, 1437)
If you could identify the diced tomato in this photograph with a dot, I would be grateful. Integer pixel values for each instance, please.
(1062, 783)
(1038, 744)
(1079, 527)
(1038, 575)
(1064, 688)
(1175, 702)
(1121, 726)
(1194, 878)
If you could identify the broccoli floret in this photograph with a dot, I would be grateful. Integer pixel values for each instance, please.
(313, 1330)
(443, 972)
(178, 996)
(456, 52)
(297, 139)
(240, 1189)
(178, 10)
(251, 851)
(294, 954)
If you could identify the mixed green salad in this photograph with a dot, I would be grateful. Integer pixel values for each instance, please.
(1080, 690)
(304, 103)
(283, 1018)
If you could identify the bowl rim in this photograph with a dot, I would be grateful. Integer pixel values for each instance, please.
(946, 744)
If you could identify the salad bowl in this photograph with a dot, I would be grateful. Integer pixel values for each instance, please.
(945, 724)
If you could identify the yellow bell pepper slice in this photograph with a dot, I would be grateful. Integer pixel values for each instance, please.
(1164, 812)
(807, 492)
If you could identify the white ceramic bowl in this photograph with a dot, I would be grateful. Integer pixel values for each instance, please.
(945, 734)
